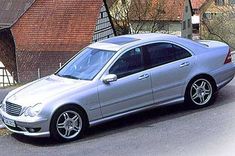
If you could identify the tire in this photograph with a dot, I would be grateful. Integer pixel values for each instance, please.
(68, 124)
(200, 92)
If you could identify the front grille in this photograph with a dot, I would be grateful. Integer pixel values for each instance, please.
(13, 109)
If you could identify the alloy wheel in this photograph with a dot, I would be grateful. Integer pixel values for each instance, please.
(201, 92)
(69, 124)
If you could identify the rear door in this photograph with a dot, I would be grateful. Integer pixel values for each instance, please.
(169, 66)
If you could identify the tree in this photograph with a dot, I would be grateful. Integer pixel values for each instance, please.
(220, 26)
(133, 16)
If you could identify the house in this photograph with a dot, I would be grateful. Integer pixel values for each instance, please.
(166, 16)
(213, 10)
(10, 11)
(196, 5)
(52, 31)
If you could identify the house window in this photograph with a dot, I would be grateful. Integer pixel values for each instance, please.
(184, 25)
(189, 23)
(231, 1)
(207, 16)
(102, 15)
(219, 2)
(186, 9)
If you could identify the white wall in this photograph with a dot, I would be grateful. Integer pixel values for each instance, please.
(187, 32)
(5, 78)
(169, 27)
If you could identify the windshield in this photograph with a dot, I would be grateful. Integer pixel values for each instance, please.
(86, 65)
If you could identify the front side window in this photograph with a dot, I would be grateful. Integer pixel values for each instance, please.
(163, 53)
(87, 64)
(129, 63)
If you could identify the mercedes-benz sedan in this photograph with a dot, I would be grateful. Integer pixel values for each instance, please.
(116, 77)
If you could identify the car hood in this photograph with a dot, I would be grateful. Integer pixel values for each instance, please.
(43, 89)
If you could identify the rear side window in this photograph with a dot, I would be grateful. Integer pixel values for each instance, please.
(162, 53)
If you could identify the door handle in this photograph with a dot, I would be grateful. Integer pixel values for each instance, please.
(142, 77)
(184, 64)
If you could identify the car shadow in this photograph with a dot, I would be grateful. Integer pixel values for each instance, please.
(143, 119)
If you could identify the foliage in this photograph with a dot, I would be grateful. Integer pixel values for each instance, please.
(128, 16)
(221, 27)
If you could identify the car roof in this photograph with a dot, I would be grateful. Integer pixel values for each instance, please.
(125, 41)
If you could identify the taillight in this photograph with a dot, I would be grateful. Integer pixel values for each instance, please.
(229, 57)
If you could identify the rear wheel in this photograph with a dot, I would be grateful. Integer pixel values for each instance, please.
(68, 124)
(200, 93)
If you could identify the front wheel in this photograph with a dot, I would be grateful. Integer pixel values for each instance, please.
(67, 124)
(200, 93)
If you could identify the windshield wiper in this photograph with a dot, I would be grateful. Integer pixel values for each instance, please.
(69, 76)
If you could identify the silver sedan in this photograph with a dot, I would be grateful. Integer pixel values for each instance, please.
(116, 77)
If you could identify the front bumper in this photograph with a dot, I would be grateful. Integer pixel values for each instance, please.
(29, 126)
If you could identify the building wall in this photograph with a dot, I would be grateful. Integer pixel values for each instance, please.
(186, 25)
(30, 64)
(169, 27)
(103, 27)
(175, 28)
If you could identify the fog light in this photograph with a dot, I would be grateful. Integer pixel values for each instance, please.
(33, 130)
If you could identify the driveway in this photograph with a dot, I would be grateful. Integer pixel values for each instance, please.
(170, 131)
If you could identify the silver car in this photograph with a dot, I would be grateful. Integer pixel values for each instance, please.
(116, 77)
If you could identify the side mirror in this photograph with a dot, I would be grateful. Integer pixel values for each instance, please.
(110, 78)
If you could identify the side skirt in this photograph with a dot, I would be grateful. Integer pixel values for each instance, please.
(116, 116)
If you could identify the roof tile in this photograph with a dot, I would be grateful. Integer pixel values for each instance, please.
(57, 25)
(196, 4)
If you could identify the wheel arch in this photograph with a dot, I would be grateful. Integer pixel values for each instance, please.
(77, 106)
(202, 75)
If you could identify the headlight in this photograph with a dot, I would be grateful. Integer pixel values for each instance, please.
(33, 111)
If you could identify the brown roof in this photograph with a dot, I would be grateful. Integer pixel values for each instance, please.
(196, 4)
(166, 10)
(11, 10)
(57, 25)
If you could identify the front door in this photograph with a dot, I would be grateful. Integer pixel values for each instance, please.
(132, 89)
